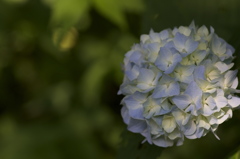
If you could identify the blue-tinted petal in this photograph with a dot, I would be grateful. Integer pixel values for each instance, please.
(179, 41)
(125, 115)
(182, 101)
(163, 142)
(199, 72)
(146, 76)
(137, 126)
(164, 34)
(193, 90)
(191, 46)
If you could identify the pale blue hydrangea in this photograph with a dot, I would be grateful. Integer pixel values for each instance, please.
(178, 84)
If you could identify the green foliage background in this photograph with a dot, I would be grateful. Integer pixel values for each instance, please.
(60, 70)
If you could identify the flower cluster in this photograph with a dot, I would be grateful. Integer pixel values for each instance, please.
(177, 84)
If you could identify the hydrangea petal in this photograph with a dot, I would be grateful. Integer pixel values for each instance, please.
(137, 126)
(191, 45)
(146, 75)
(179, 41)
(168, 123)
(178, 84)
(125, 115)
(182, 101)
(162, 142)
(234, 101)
(190, 128)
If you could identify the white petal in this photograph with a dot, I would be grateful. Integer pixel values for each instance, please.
(184, 30)
(151, 107)
(154, 37)
(184, 73)
(230, 76)
(144, 86)
(203, 31)
(206, 86)
(211, 102)
(166, 105)
(221, 101)
(216, 44)
(234, 101)
(206, 111)
(168, 123)
(175, 134)
(181, 117)
(187, 79)
(215, 134)
(188, 70)
(203, 124)
(144, 38)
(222, 66)
(198, 56)
(153, 51)
(223, 118)
(212, 119)
(235, 83)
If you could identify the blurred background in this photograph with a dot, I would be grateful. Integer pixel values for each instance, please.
(60, 70)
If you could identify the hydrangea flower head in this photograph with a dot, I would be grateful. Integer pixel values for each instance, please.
(178, 84)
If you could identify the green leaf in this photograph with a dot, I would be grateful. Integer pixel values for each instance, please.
(67, 13)
(113, 10)
(136, 6)
(131, 147)
(235, 154)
